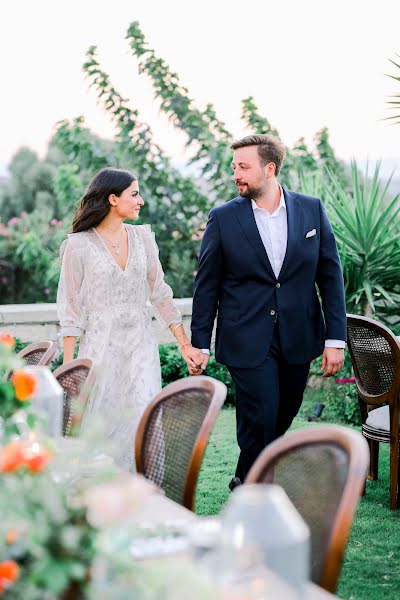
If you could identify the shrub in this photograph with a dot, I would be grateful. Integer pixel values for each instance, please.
(173, 367)
(340, 399)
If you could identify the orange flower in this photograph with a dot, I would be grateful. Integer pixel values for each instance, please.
(11, 536)
(37, 461)
(7, 340)
(9, 571)
(25, 384)
(12, 457)
(18, 454)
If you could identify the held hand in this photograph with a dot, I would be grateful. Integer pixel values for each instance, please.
(199, 370)
(332, 361)
(192, 356)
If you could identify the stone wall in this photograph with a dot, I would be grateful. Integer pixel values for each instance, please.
(38, 322)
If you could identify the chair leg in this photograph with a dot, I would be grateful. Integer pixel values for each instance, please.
(394, 473)
(374, 460)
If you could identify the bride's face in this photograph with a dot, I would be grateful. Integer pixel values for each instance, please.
(127, 205)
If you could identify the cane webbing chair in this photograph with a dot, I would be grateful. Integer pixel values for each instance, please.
(173, 433)
(37, 354)
(76, 378)
(322, 469)
(375, 355)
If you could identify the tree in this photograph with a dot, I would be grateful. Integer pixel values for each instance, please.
(176, 205)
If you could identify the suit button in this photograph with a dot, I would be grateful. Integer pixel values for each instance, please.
(272, 312)
(278, 285)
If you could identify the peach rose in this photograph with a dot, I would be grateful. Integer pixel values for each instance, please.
(19, 454)
(25, 384)
(12, 457)
(37, 461)
(9, 571)
(11, 536)
(7, 340)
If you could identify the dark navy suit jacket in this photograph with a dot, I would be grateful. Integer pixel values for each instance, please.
(235, 279)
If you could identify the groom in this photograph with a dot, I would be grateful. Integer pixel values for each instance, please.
(263, 257)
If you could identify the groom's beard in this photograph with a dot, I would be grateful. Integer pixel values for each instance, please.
(251, 192)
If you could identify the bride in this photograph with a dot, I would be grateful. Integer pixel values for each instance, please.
(110, 275)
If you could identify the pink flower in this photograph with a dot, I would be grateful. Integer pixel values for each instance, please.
(346, 380)
(53, 222)
(13, 221)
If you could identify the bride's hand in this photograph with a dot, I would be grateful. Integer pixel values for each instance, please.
(199, 370)
(193, 357)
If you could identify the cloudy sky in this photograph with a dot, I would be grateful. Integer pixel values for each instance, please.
(308, 64)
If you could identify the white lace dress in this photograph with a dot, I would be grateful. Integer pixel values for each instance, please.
(111, 310)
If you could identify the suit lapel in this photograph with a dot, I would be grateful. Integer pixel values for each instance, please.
(294, 220)
(245, 215)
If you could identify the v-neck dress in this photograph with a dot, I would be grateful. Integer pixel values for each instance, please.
(111, 309)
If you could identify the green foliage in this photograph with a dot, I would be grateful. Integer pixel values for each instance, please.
(29, 267)
(68, 188)
(394, 103)
(340, 399)
(366, 226)
(175, 205)
(365, 223)
(206, 133)
(31, 184)
(173, 368)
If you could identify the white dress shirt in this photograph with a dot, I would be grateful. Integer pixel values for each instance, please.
(273, 232)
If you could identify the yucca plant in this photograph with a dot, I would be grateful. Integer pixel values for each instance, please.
(311, 183)
(395, 98)
(366, 225)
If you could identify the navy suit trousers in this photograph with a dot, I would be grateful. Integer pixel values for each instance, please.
(268, 397)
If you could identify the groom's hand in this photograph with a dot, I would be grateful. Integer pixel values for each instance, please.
(332, 361)
(192, 356)
(204, 358)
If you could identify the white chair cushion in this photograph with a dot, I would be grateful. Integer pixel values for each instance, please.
(379, 418)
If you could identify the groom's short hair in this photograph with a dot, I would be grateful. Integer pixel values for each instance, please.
(270, 148)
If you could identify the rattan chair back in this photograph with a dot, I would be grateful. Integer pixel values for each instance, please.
(322, 469)
(76, 378)
(173, 433)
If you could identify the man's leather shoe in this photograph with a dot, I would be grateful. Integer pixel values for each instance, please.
(234, 482)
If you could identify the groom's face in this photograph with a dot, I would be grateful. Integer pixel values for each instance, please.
(249, 175)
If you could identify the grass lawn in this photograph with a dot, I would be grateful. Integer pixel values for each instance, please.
(371, 569)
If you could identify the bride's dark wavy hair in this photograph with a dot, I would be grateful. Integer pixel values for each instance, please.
(94, 206)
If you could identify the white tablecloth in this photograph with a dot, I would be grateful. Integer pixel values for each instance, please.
(159, 509)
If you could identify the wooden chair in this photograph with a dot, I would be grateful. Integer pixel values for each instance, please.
(173, 433)
(375, 354)
(322, 469)
(36, 354)
(77, 379)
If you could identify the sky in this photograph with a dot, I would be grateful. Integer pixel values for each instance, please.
(308, 64)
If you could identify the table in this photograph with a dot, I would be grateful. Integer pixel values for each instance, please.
(159, 509)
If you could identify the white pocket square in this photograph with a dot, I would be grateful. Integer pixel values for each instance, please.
(311, 233)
